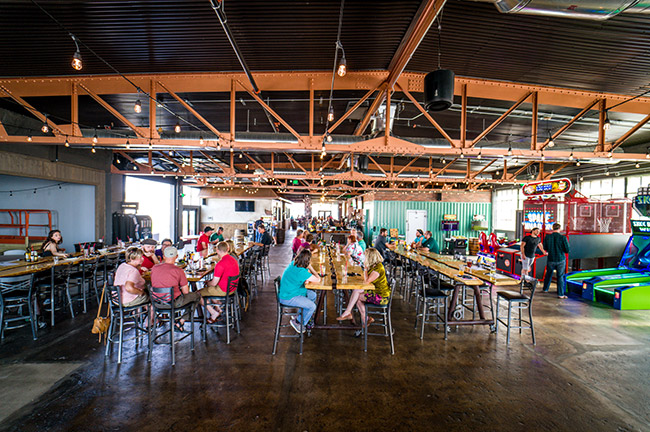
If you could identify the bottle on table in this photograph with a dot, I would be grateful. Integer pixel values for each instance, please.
(34, 254)
(28, 255)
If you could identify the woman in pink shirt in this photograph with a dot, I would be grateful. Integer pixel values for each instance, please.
(128, 278)
(296, 242)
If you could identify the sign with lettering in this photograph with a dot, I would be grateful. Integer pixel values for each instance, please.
(640, 226)
(642, 204)
(549, 187)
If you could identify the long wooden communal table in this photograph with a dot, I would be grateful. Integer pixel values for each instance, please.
(459, 281)
(333, 280)
(50, 263)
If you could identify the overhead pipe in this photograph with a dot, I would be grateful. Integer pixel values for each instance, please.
(591, 9)
(217, 6)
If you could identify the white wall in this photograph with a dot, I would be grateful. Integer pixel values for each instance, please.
(72, 206)
(155, 199)
(223, 210)
(325, 206)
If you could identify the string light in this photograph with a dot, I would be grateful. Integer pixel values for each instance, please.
(607, 172)
(29, 138)
(551, 143)
(330, 114)
(462, 155)
(647, 153)
(571, 155)
(328, 137)
(45, 128)
(77, 63)
(95, 139)
(509, 149)
(231, 149)
(637, 165)
(67, 143)
(138, 106)
(543, 157)
(201, 140)
(479, 154)
(177, 128)
(578, 163)
(607, 124)
(93, 150)
(128, 144)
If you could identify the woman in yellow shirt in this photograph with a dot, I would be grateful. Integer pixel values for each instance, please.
(374, 273)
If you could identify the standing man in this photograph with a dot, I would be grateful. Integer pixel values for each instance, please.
(380, 242)
(556, 246)
(204, 239)
(528, 247)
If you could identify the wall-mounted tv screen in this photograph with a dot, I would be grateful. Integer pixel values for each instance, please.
(244, 206)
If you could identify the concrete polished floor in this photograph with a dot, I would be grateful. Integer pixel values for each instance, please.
(590, 371)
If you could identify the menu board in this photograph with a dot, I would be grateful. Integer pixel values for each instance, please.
(550, 187)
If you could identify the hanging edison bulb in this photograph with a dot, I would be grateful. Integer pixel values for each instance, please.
(330, 114)
(138, 106)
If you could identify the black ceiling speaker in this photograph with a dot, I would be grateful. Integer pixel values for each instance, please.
(439, 90)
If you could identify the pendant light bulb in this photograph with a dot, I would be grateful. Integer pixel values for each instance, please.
(637, 165)
(330, 114)
(93, 150)
(29, 138)
(571, 156)
(138, 106)
(578, 163)
(45, 128)
(95, 139)
(343, 67)
(67, 143)
(607, 124)
(77, 63)
(128, 144)
(329, 138)
(177, 128)
(607, 172)
(509, 150)
(201, 140)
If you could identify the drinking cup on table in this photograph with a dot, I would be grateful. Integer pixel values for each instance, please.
(461, 270)
(56, 260)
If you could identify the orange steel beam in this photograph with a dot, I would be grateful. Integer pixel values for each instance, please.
(441, 170)
(349, 112)
(3, 132)
(113, 111)
(533, 129)
(169, 159)
(266, 172)
(463, 115)
(419, 27)
(469, 168)
(153, 133)
(139, 165)
(224, 167)
(519, 171)
(270, 110)
(387, 116)
(557, 170)
(298, 81)
(500, 119)
(427, 115)
(602, 105)
(192, 110)
(295, 162)
(540, 175)
(405, 166)
(629, 133)
(361, 127)
(570, 123)
(377, 165)
(311, 108)
(74, 110)
(56, 130)
(233, 97)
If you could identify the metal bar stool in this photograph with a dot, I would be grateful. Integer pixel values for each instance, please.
(282, 311)
(383, 312)
(518, 301)
(230, 306)
(17, 296)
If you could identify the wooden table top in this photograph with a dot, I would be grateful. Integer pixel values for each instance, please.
(443, 269)
(326, 283)
(43, 264)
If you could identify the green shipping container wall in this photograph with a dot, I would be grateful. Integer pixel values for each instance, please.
(392, 214)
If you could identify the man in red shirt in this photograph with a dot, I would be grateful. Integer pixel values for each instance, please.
(225, 268)
(167, 274)
(204, 240)
(149, 258)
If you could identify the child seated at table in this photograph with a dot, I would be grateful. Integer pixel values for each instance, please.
(375, 274)
(293, 291)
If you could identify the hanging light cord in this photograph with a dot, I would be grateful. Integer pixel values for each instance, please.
(336, 58)
(76, 39)
(439, 19)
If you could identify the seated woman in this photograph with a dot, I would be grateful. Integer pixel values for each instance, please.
(307, 243)
(297, 241)
(353, 251)
(375, 274)
(128, 278)
(232, 250)
(292, 287)
(50, 246)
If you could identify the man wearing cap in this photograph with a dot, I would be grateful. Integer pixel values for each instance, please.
(217, 236)
(149, 258)
(262, 238)
(167, 274)
(204, 239)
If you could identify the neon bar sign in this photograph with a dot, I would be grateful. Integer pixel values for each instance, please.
(550, 187)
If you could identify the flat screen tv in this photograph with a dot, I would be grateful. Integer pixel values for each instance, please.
(244, 206)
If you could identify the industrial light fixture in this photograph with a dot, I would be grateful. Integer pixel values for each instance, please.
(45, 128)
(138, 106)
(177, 128)
(67, 143)
(607, 124)
(77, 63)
(551, 143)
(330, 114)
(343, 66)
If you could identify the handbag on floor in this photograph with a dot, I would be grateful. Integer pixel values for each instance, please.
(101, 324)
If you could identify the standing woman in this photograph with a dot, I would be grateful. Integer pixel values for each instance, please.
(50, 246)
(375, 274)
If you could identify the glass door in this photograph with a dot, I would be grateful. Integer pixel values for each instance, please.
(190, 221)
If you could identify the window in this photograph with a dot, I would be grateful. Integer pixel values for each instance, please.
(505, 204)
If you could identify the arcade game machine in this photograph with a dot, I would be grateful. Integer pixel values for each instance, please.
(628, 285)
(453, 244)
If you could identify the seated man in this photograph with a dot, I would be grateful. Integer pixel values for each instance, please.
(217, 286)
(217, 236)
(380, 242)
(159, 252)
(262, 238)
(204, 239)
(419, 238)
(149, 258)
(429, 243)
(167, 274)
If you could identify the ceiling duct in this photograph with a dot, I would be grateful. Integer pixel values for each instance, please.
(591, 10)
